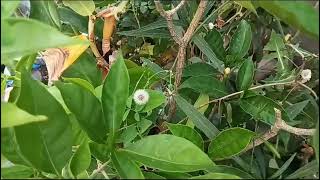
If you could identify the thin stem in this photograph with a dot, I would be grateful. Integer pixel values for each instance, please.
(96, 171)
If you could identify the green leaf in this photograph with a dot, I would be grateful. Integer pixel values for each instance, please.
(283, 168)
(216, 176)
(126, 168)
(245, 75)
(295, 109)
(215, 41)
(187, 133)
(46, 12)
(174, 175)
(16, 172)
(11, 116)
(40, 36)
(307, 170)
(241, 40)
(199, 120)
(54, 91)
(46, 145)
(229, 170)
(151, 175)
(85, 68)
(8, 7)
(115, 93)
(202, 99)
(206, 49)
(84, 8)
(81, 82)
(99, 151)
(199, 69)
(301, 14)
(247, 4)
(261, 108)
(86, 108)
(81, 159)
(168, 153)
(156, 98)
(229, 142)
(77, 21)
(271, 147)
(206, 85)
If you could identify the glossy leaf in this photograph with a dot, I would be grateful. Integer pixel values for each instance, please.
(17, 28)
(187, 133)
(199, 69)
(174, 175)
(261, 108)
(87, 109)
(11, 116)
(126, 168)
(16, 172)
(206, 85)
(216, 176)
(245, 75)
(168, 153)
(301, 14)
(241, 40)
(84, 8)
(156, 98)
(81, 82)
(46, 12)
(229, 142)
(229, 170)
(46, 145)
(206, 49)
(81, 159)
(199, 120)
(151, 175)
(115, 93)
(215, 41)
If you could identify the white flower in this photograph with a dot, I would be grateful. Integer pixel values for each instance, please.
(227, 71)
(141, 97)
(306, 75)
(211, 25)
(119, 43)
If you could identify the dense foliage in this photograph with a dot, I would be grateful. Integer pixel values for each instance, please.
(160, 90)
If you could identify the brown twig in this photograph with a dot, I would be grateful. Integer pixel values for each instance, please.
(182, 42)
(279, 125)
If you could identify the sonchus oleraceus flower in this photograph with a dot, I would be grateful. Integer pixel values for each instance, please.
(141, 97)
(305, 75)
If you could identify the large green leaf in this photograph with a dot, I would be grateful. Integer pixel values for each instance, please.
(245, 75)
(81, 82)
(168, 153)
(261, 108)
(81, 159)
(206, 85)
(126, 168)
(206, 49)
(85, 68)
(11, 116)
(16, 172)
(87, 109)
(187, 133)
(115, 93)
(156, 98)
(84, 8)
(229, 142)
(215, 41)
(199, 69)
(46, 145)
(46, 12)
(216, 176)
(199, 120)
(99, 151)
(296, 13)
(241, 40)
(38, 35)
(229, 170)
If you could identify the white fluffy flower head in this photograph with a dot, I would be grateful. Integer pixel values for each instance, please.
(305, 75)
(211, 25)
(141, 97)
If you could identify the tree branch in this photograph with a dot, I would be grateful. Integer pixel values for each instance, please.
(280, 125)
